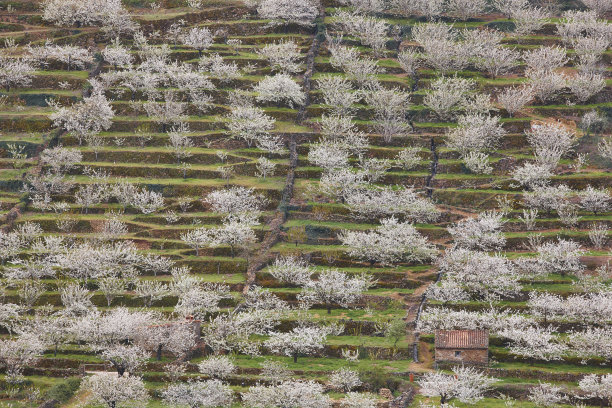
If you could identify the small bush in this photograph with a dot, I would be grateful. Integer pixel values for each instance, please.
(376, 378)
(62, 392)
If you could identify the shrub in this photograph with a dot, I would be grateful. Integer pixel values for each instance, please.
(63, 391)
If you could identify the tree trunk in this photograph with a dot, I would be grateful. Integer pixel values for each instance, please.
(55, 351)
(295, 356)
(328, 309)
(415, 84)
(159, 352)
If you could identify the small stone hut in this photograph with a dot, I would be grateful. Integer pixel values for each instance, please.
(462, 346)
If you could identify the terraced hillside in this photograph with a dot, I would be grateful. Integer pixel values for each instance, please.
(277, 204)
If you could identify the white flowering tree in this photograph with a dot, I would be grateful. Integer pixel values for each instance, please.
(283, 12)
(283, 56)
(514, 99)
(560, 257)
(335, 288)
(198, 394)
(595, 386)
(17, 354)
(595, 200)
(125, 359)
(467, 385)
(592, 342)
(235, 201)
(390, 110)
(389, 201)
(475, 274)
(482, 232)
(249, 123)
(338, 94)
(110, 14)
(291, 393)
(200, 38)
(114, 391)
(344, 379)
(301, 341)
(391, 242)
(280, 89)
(448, 96)
(475, 133)
(291, 270)
(93, 115)
(219, 367)
(60, 159)
(546, 395)
(15, 72)
(535, 342)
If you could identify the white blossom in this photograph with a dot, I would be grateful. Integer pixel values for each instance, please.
(219, 367)
(60, 159)
(292, 393)
(475, 133)
(448, 95)
(546, 395)
(335, 288)
(592, 342)
(344, 379)
(114, 391)
(299, 341)
(514, 99)
(465, 9)
(204, 394)
(358, 400)
(283, 56)
(280, 88)
(249, 123)
(597, 386)
(595, 200)
(125, 359)
(288, 11)
(386, 201)
(93, 115)
(391, 242)
(265, 167)
(528, 19)
(467, 385)
(200, 38)
(17, 354)
(584, 86)
(15, 72)
(291, 270)
(480, 275)
(482, 232)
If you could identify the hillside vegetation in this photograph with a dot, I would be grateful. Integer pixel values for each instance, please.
(277, 203)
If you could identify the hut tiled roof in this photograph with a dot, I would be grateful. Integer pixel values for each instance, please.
(462, 339)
